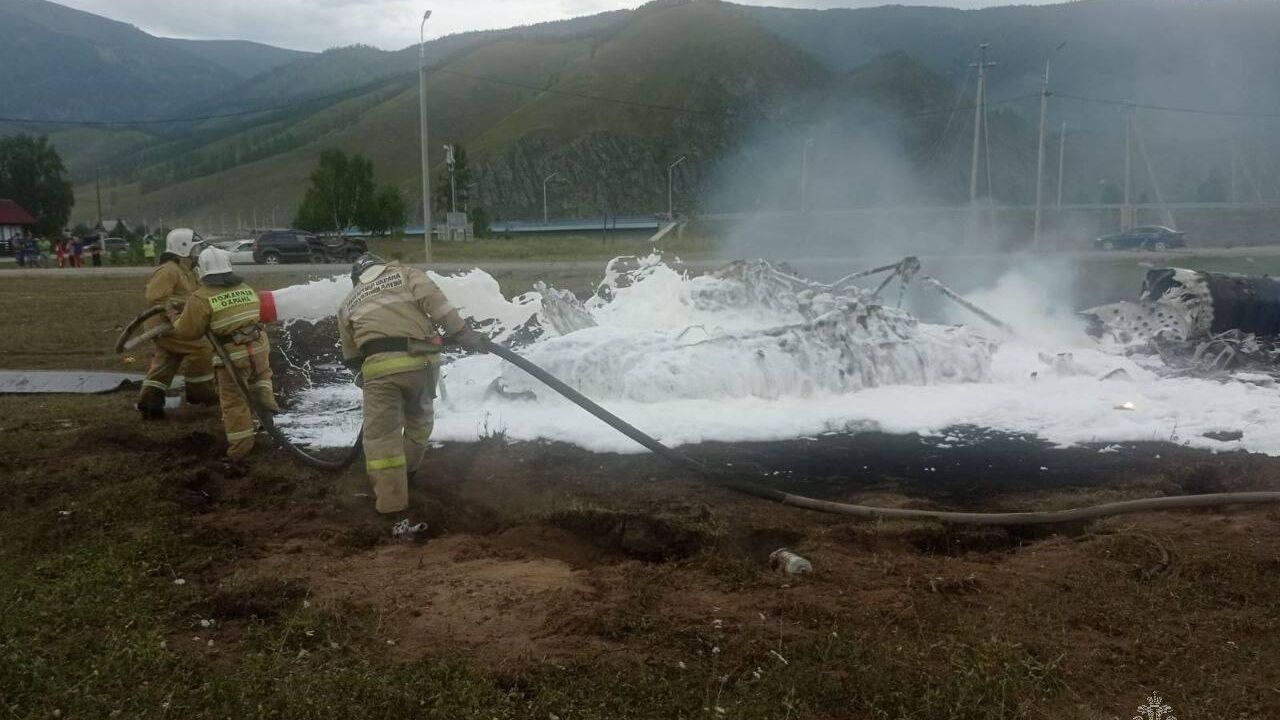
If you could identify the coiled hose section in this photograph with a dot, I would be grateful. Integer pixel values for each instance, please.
(127, 341)
(267, 419)
(722, 479)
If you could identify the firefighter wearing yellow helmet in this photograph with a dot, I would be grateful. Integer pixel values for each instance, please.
(388, 326)
(228, 308)
(171, 283)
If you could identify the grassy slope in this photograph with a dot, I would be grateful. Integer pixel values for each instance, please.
(385, 129)
(701, 55)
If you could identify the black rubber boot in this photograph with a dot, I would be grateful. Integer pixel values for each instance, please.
(204, 393)
(151, 404)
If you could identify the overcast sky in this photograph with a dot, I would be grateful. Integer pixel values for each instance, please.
(388, 24)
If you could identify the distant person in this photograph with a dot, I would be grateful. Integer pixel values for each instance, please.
(95, 253)
(44, 249)
(77, 251)
(60, 248)
(19, 249)
(149, 250)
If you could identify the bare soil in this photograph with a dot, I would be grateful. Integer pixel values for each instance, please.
(543, 556)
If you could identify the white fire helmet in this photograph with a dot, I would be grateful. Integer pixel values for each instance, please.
(213, 261)
(183, 242)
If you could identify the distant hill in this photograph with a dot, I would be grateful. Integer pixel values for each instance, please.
(58, 63)
(245, 59)
(608, 101)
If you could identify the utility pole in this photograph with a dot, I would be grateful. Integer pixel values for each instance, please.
(1166, 215)
(804, 175)
(671, 184)
(978, 114)
(453, 188)
(255, 220)
(546, 180)
(1234, 196)
(422, 122)
(1044, 111)
(1126, 212)
(97, 185)
(1062, 160)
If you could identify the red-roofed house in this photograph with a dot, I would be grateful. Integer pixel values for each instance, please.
(13, 220)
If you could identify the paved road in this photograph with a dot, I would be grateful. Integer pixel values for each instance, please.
(322, 270)
(818, 267)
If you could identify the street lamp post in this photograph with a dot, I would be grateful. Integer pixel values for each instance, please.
(546, 180)
(422, 122)
(670, 184)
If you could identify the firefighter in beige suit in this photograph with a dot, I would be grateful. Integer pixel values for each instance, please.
(388, 328)
(226, 307)
(172, 283)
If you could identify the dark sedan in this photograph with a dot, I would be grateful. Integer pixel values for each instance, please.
(1149, 237)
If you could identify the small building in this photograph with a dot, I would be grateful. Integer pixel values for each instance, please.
(14, 221)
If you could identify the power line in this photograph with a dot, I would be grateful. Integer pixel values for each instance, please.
(1168, 108)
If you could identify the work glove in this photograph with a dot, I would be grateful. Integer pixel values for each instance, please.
(470, 340)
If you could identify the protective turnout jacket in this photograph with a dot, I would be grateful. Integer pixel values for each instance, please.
(173, 282)
(400, 303)
(228, 312)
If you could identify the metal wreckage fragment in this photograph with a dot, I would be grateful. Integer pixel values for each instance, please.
(1201, 323)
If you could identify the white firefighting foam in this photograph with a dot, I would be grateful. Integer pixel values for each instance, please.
(749, 355)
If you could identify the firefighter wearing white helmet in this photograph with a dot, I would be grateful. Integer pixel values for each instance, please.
(388, 327)
(226, 307)
(170, 284)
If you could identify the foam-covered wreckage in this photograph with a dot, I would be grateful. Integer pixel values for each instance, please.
(651, 330)
(796, 336)
(1197, 321)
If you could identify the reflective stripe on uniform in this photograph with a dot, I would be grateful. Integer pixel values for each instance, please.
(419, 436)
(155, 384)
(240, 435)
(236, 320)
(256, 347)
(387, 366)
(385, 463)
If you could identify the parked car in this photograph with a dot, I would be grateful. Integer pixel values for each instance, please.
(115, 244)
(281, 246)
(1148, 237)
(241, 251)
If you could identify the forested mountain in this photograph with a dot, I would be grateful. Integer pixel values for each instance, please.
(881, 96)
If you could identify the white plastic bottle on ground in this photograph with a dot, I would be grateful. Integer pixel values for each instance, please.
(785, 561)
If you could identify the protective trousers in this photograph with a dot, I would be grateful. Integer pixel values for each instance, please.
(193, 358)
(237, 415)
(398, 417)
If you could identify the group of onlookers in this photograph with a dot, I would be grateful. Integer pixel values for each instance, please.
(69, 251)
(35, 252)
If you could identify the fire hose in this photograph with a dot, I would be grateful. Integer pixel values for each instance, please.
(723, 479)
(267, 419)
(127, 341)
